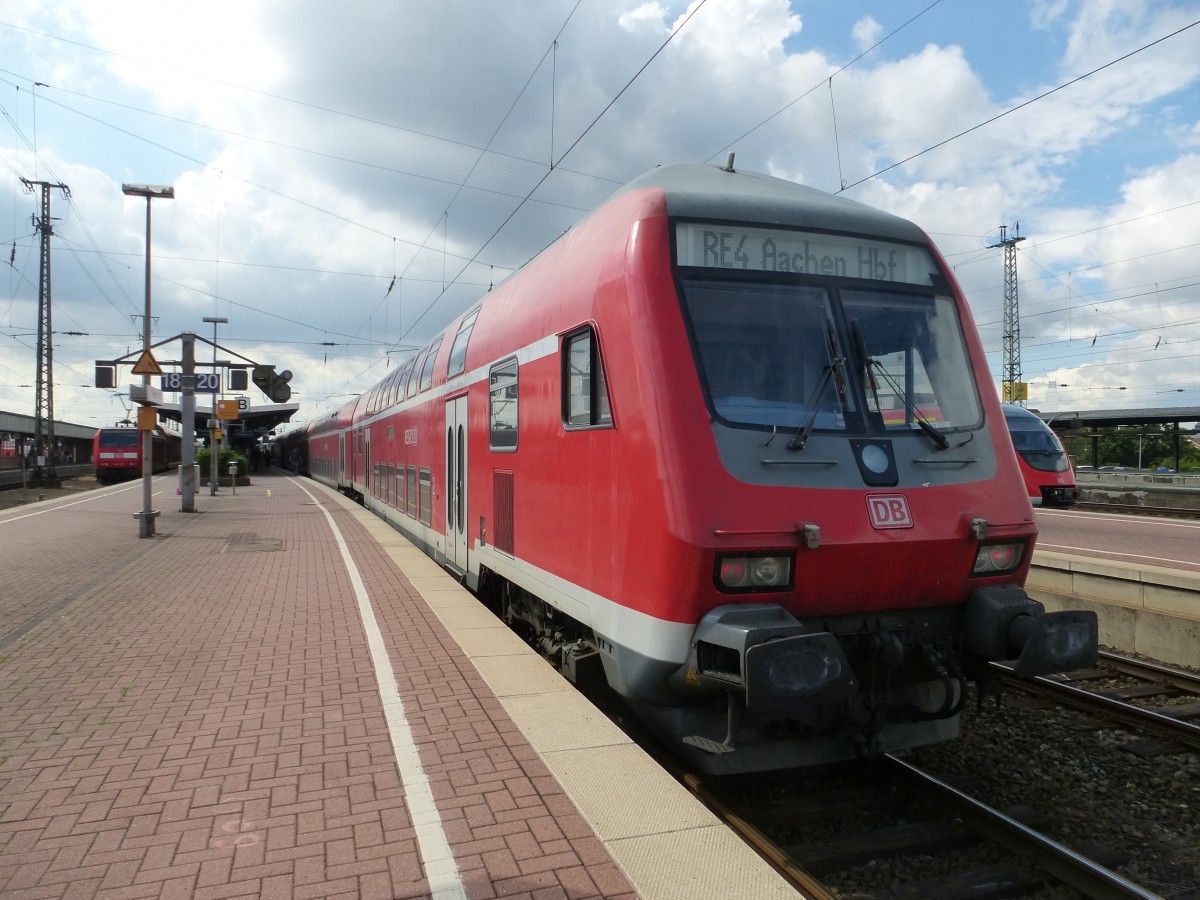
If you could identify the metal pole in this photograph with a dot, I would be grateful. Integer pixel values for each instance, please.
(147, 515)
(212, 422)
(187, 415)
(146, 523)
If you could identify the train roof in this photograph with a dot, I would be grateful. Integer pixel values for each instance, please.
(1020, 414)
(713, 192)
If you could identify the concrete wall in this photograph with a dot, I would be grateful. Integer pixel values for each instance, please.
(1138, 489)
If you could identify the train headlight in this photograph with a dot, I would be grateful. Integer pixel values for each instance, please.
(997, 559)
(751, 573)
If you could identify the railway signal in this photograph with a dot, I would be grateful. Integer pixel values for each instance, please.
(273, 384)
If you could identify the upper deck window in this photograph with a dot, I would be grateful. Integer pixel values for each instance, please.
(427, 366)
(801, 253)
(458, 351)
(416, 371)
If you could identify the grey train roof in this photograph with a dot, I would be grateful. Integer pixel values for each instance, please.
(712, 192)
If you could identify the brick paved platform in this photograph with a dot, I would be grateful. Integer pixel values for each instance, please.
(277, 696)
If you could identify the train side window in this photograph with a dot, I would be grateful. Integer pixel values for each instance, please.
(412, 380)
(402, 381)
(426, 499)
(458, 350)
(395, 387)
(502, 406)
(427, 366)
(585, 389)
(411, 492)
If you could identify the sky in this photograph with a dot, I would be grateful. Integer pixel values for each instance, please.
(349, 178)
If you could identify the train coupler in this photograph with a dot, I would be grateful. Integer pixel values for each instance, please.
(1006, 623)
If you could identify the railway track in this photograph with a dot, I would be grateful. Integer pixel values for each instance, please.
(1174, 512)
(1120, 680)
(12, 479)
(832, 832)
(869, 816)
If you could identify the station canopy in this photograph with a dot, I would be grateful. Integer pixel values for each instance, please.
(257, 421)
(1111, 418)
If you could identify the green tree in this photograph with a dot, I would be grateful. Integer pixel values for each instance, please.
(1137, 446)
(225, 456)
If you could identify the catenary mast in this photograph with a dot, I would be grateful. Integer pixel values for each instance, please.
(1014, 389)
(43, 406)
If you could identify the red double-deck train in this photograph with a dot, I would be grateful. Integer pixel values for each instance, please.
(730, 445)
(1044, 463)
(117, 453)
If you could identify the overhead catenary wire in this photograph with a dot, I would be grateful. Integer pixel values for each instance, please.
(1021, 106)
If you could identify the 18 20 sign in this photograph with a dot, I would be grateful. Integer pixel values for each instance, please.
(206, 382)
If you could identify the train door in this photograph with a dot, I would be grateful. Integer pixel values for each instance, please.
(368, 486)
(456, 483)
(341, 472)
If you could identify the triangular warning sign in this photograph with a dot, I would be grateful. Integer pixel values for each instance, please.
(146, 365)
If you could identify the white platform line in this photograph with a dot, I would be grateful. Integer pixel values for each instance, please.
(436, 857)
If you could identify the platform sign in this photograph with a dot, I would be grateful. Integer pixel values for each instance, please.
(147, 418)
(1014, 390)
(227, 410)
(206, 382)
(147, 365)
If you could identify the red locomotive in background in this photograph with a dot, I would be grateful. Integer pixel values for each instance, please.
(731, 444)
(117, 453)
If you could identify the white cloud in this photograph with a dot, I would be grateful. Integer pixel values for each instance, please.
(299, 227)
(866, 32)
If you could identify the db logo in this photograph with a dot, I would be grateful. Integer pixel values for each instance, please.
(889, 511)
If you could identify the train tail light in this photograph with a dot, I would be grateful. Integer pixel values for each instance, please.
(998, 559)
(752, 573)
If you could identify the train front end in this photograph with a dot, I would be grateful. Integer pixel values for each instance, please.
(117, 454)
(860, 536)
(1045, 465)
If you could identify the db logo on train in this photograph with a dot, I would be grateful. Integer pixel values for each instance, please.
(889, 511)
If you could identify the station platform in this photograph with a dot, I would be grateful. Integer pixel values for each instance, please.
(278, 696)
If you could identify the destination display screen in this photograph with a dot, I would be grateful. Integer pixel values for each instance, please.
(800, 252)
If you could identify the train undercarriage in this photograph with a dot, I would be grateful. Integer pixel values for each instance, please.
(761, 691)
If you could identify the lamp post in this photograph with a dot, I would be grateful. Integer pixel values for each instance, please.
(146, 517)
(212, 421)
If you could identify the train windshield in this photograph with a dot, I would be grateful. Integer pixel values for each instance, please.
(766, 352)
(1038, 445)
(912, 360)
(811, 357)
(120, 438)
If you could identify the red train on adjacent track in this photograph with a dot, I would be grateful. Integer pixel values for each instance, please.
(117, 453)
(731, 445)
(1045, 465)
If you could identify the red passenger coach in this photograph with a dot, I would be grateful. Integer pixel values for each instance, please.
(117, 453)
(723, 445)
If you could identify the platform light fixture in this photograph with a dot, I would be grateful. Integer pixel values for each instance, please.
(150, 192)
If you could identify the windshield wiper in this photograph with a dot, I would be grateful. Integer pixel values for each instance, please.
(836, 366)
(870, 364)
